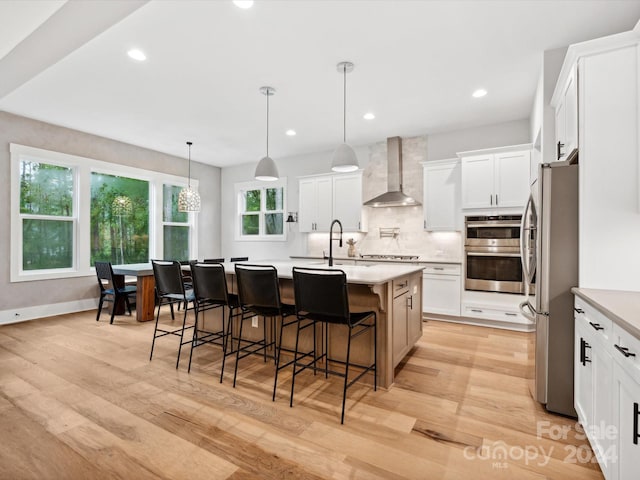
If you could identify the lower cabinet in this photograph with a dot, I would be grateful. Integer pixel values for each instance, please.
(607, 391)
(407, 316)
(441, 287)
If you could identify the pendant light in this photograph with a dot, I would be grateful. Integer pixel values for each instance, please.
(188, 199)
(266, 169)
(344, 158)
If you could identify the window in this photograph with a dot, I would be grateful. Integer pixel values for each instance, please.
(119, 219)
(261, 210)
(68, 212)
(175, 225)
(46, 215)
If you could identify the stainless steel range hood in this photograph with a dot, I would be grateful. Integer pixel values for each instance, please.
(394, 197)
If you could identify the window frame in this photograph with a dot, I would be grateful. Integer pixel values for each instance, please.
(83, 167)
(239, 189)
(164, 223)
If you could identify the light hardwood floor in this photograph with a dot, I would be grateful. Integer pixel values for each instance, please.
(80, 400)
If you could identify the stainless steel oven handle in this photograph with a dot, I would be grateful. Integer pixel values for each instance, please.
(492, 254)
(492, 224)
(527, 310)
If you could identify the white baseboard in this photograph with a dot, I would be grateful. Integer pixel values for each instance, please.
(22, 314)
(480, 322)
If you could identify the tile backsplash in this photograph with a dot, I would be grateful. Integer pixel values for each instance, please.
(412, 239)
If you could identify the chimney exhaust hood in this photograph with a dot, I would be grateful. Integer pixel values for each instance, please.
(394, 197)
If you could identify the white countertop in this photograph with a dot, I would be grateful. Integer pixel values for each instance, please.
(622, 307)
(420, 259)
(363, 274)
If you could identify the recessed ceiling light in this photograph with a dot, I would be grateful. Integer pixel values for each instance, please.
(369, 116)
(243, 3)
(291, 132)
(137, 54)
(481, 92)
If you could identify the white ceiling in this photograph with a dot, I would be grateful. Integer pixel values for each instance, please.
(416, 65)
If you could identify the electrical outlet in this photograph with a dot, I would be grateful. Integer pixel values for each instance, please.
(254, 322)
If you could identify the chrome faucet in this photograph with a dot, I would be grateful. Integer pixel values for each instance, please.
(331, 239)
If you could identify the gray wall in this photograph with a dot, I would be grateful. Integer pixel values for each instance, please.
(15, 129)
(446, 145)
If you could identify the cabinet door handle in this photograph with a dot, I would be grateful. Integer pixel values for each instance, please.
(636, 413)
(476, 310)
(358, 225)
(511, 314)
(496, 199)
(438, 268)
(624, 350)
(596, 326)
(410, 302)
(583, 352)
(560, 147)
(491, 199)
(578, 310)
(424, 224)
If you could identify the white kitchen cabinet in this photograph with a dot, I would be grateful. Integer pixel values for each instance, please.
(607, 391)
(441, 289)
(566, 115)
(495, 179)
(626, 393)
(315, 204)
(347, 201)
(323, 198)
(442, 195)
(593, 369)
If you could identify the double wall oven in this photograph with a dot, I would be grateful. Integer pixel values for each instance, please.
(492, 254)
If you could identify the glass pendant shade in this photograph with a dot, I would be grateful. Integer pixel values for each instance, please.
(267, 170)
(189, 199)
(344, 159)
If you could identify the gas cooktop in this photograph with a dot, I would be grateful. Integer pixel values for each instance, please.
(389, 257)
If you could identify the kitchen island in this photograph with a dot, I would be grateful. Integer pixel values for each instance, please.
(394, 292)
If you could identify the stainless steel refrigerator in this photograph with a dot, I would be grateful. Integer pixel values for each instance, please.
(549, 248)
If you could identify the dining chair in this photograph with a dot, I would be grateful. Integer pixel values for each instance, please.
(321, 296)
(169, 290)
(109, 291)
(211, 293)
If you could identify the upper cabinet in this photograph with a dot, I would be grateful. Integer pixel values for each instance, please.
(315, 206)
(495, 179)
(347, 201)
(325, 197)
(442, 192)
(566, 115)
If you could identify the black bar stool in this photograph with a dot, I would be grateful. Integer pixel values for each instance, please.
(210, 291)
(321, 295)
(259, 294)
(169, 290)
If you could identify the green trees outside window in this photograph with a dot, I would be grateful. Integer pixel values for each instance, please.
(119, 219)
(46, 210)
(262, 212)
(175, 228)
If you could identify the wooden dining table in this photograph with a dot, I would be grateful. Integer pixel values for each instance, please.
(145, 295)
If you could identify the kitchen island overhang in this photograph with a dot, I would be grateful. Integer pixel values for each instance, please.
(394, 292)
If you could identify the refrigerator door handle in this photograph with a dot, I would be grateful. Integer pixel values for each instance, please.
(527, 310)
(528, 269)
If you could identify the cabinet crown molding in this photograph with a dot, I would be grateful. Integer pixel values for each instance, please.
(488, 151)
